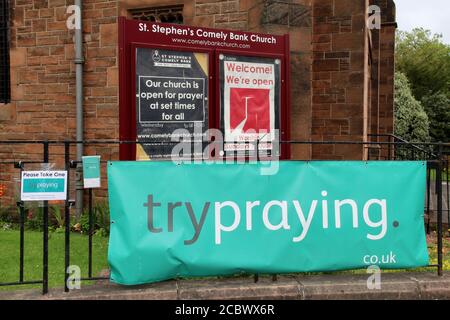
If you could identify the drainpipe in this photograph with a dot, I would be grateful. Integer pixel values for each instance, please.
(79, 61)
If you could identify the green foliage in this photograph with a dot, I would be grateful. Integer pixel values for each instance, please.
(4, 226)
(411, 121)
(9, 218)
(100, 217)
(425, 60)
(437, 106)
(34, 218)
(57, 215)
(8, 214)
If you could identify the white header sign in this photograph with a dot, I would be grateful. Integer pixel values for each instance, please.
(43, 185)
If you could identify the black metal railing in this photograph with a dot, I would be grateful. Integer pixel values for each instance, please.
(392, 147)
(436, 155)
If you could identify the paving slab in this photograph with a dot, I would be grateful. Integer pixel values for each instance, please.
(240, 288)
(392, 286)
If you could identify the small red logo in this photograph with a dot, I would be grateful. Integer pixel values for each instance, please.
(250, 109)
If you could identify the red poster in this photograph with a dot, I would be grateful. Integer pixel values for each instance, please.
(249, 102)
(249, 109)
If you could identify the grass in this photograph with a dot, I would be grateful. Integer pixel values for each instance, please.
(9, 257)
(432, 249)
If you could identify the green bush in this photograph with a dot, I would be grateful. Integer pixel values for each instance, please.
(411, 121)
(100, 218)
(8, 214)
(437, 106)
(424, 58)
(10, 217)
(34, 218)
(102, 214)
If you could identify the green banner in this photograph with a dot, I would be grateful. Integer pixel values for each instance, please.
(208, 219)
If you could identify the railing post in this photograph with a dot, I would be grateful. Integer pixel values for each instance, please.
(45, 232)
(20, 204)
(390, 148)
(67, 217)
(439, 208)
(448, 193)
(91, 228)
(428, 196)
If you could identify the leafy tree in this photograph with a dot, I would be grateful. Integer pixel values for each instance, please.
(411, 121)
(425, 60)
(437, 106)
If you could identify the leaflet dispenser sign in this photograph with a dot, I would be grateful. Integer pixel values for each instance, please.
(43, 185)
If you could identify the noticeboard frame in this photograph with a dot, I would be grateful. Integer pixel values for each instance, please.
(131, 38)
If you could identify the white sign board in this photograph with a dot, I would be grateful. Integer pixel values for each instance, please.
(43, 185)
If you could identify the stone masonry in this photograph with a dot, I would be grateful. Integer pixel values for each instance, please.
(341, 72)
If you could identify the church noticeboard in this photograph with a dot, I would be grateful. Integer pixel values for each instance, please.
(179, 81)
(171, 94)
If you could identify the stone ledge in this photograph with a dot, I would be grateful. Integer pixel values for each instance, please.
(304, 287)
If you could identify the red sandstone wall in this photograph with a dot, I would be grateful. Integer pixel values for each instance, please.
(328, 65)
